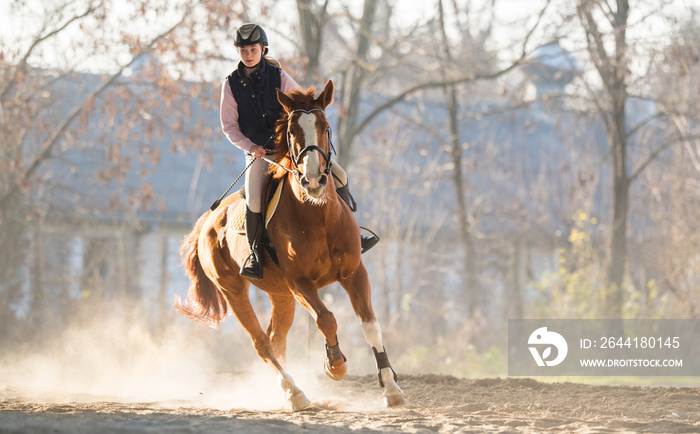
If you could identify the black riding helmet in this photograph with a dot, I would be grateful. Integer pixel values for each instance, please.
(250, 34)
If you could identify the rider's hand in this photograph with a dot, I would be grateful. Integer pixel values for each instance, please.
(258, 151)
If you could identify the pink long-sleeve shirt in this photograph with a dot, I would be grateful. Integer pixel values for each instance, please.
(229, 112)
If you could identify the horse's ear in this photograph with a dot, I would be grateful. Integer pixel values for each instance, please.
(284, 100)
(326, 95)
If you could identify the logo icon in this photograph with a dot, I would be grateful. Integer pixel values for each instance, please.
(541, 337)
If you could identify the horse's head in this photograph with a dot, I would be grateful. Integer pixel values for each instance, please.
(305, 131)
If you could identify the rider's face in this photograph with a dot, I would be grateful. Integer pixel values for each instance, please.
(250, 54)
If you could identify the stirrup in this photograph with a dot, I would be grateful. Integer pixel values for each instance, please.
(252, 268)
(368, 241)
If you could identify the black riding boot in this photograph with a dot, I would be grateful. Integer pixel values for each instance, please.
(252, 267)
(366, 242)
(344, 193)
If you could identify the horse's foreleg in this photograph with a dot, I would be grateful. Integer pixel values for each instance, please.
(357, 287)
(335, 364)
(281, 320)
(243, 310)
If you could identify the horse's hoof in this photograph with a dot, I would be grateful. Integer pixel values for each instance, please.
(299, 401)
(394, 400)
(336, 372)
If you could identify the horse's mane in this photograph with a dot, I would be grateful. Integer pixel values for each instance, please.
(301, 99)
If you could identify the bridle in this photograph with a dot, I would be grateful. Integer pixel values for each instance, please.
(296, 159)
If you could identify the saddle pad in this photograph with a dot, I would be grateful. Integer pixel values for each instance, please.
(236, 214)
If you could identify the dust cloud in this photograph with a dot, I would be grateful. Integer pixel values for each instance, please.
(113, 359)
(124, 361)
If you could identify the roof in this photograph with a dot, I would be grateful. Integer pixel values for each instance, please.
(553, 56)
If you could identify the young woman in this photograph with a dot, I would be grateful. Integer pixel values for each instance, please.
(249, 111)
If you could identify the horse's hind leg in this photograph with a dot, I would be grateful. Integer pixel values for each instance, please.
(241, 307)
(281, 320)
(393, 395)
(357, 287)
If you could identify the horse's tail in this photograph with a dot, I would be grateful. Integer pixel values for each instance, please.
(204, 303)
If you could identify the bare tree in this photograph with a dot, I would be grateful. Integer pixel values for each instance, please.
(312, 19)
(613, 69)
(50, 104)
(464, 222)
(669, 257)
(606, 26)
(354, 83)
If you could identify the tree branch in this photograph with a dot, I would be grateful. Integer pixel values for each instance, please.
(632, 131)
(61, 128)
(651, 158)
(661, 148)
(38, 40)
(429, 85)
(453, 81)
(595, 44)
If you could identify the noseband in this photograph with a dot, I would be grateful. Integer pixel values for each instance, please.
(296, 159)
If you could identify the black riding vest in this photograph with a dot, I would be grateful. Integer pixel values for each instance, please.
(256, 96)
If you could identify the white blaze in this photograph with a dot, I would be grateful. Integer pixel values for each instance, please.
(311, 162)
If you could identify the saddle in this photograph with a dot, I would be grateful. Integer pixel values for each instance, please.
(236, 214)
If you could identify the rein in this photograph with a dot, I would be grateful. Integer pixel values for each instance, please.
(296, 159)
(267, 160)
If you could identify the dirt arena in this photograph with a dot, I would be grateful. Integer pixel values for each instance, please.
(437, 403)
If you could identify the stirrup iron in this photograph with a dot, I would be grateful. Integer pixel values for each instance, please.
(367, 242)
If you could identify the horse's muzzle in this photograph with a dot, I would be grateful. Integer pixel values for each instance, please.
(315, 188)
(314, 183)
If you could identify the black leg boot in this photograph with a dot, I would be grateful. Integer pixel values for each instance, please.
(366, 242)
(252, 267)
(344, 193)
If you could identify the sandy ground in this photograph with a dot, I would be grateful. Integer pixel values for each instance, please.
(437, 403)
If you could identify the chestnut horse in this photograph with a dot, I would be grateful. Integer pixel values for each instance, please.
(317, 242)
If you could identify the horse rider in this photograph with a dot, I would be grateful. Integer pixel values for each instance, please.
(249, 111)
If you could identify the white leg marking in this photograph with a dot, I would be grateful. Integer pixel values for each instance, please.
(393, 395)
(373, 335)
(294, 395)
(286, 382)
